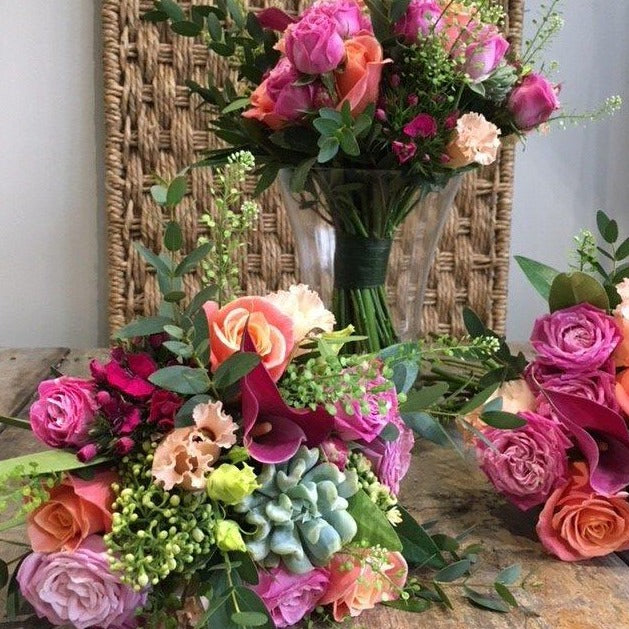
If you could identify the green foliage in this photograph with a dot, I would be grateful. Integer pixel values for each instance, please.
(540, 275)
(373, 527)
(181, 379)
(570, 289)
(237, 366)
(47, 462)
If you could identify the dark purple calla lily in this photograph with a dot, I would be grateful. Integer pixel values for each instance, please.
(275, 19)
(602, 436)
(273, 431)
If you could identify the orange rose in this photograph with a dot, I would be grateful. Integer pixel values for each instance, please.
(577, 523)
(263, 108)
(622, 390)
(75, 510)
(270, 330)
(363, 587)
(359, 81)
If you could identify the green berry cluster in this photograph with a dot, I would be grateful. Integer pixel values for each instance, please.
(22, 492)
(155, 532)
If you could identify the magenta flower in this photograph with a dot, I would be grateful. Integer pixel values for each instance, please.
(273, 431)
(422, 17)
(345, 14)
(526, 464)
(404, 151)
(422, 126)
(577, 339)
(533, 101)
(275, 19)
(602, 436)
(289, 597)
(335, 451)
(163, 408)
(127, 373)
(484, 55)
(123, 417)
(61, 416)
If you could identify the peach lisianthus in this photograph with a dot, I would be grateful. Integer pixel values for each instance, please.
(75, 510)
(186, 455)
(271, 332)
(361, 582)
(305, 308)
(475, 141)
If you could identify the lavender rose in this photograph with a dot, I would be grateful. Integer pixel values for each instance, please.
(533, 101)
(577, 339)
(78, 588)
(313, 45)
(62, 414)
(288, 596)
(526, 464)
(422, 17)
(291, 101)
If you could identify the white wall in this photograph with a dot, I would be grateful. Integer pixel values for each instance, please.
(52, 269)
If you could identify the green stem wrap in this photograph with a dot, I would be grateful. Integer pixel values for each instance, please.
(360, 262)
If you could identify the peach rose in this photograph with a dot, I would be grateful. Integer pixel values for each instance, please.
(359, 81)
(263, 108)
(185, 456)
(621, 355)
(622, 390)
(75, 510)
(362, 586)
(577, 523)
(271, 332)
(475, 141)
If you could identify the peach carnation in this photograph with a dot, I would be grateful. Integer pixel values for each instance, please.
(186, 455)
(621, 314)
(475, 141)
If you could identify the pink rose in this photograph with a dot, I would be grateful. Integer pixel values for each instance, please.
(78, 588)
(291, 101)
(528, 463)
(313, 44)
(533, 101)
(126, 373)
(345, 14)
(423, 126)
(270, 330)
(621, 314)
(577, 523)
(75, 510)
(367, 582)
(577, 339)
(289, 597)
(263, 108)
(62, 414)
(485, 53)
(335, 451)
(422, 17)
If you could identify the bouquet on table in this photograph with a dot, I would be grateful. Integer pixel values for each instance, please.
(225, 467)
(562, 445)
(367, 108)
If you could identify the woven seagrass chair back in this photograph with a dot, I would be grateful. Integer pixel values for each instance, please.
(154, 126)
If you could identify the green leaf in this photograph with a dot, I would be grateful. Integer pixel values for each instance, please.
(348, 143)
(404, 375)
(246, 568)
(477, 88)
(607, 227)
(446, 542)
(174, 296)
(623, 250)
(186, 28)
(300, 174)
(373, 527)
(505, 594)
(346, 113)
(485, 601)
(268, 174)
(152, 258)
(253, 27)
(179, 348)
(325, 126)
(570, 289)
(249, 601)
(426, 426)
(250, 619)
(176, 191)
(234, 368)
(181, 379)
(540, 275)
(214, 27)
(398, 8)
(331, 114)
(183, 417)
(328, 149)
(154, 16)
(143, 327)
(418, 547)
(473, 323)
(479, 399)
(502, 420)
(453, 571)
(390, 432)
(236, 12)
(4, 574)
(175, 331)
(414, 605)
(173, 238)
(235, 105)
(45, 463)
(444, 598)
(193, 259)
(16, 422)
(420, 399)
(205, 294)
(158, 193)
(509, 575)
(172, 10)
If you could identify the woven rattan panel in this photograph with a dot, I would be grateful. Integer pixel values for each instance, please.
(154, 126)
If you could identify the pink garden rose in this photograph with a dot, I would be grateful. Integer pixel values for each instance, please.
(313, 44)
(420, 19)
(622, 390)
(621, 314)
(62, 414)
(528, 463)
(485, 53)
(289, 597)
(577, 339)
(291, 101)
(335, 451)
(533, 101)
(127, 373)
(78, 588)
(578, 523)
(345, 14)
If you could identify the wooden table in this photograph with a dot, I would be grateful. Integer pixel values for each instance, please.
(440, 485)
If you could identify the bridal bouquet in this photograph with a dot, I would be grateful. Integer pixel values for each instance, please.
(365, 108)
(225, 467)
(563, 446)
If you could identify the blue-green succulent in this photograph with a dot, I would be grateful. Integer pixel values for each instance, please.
(299, 512)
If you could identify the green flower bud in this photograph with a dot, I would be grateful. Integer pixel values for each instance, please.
(230, 484)
(228, 537)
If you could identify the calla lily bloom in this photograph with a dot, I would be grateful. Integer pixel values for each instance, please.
(273, 431)
(275, 19)
(602, 436)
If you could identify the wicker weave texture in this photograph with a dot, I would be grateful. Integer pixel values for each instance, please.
(154, 126)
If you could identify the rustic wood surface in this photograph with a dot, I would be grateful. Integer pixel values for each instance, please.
(440, 486)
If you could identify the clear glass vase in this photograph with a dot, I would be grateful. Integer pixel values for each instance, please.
(361, 235)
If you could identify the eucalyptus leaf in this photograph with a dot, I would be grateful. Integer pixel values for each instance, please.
(179, 348)
(414, 605)
(214, 27)
(540, 275)
(328, 149)
(173, 237)
(152, 258)
(143, 327)
(158, 192)
(420, 399)
(426, 426)
(193, 259)
(570, 289)
(186, 28)
(348, 143)
(473, 323)
(418, 547)
(502, 420)
(246, 567)
(479, 399)
(184, 414)
(249, 619)
(373, 527)
(249, 601)
(176, 191)
(234, 368)
(485, 601)
(453, 571)
(181, 379)
(509, 575)
(172, 9)
(390, 432)
(505, 594)
(404, 375)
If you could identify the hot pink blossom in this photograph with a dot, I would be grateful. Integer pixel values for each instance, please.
(533, 101)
